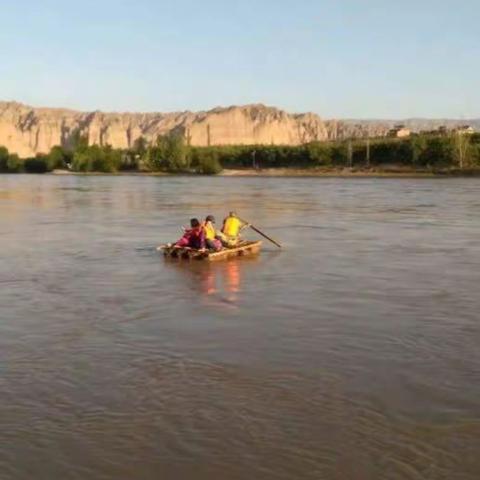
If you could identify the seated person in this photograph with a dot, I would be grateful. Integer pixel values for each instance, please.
(193, 237)
(230, 234)
(211, 241)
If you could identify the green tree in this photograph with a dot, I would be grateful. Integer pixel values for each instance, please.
(4, 155)
(319, 153)
(462, 149)
(475, 154)
(170, 153)
(37, 164)
(206, 161)
(58, 157)
(14, 164)
(96, 158)
(79, 141)
(134, 157)
(438, 151)
(419, 146)
(339, 154)
(140, 146)
(81, 161)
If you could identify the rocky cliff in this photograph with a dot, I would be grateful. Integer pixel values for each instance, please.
(27, 131)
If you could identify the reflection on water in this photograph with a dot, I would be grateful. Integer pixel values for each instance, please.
(350, 354)
(223, 278)
(217, 283)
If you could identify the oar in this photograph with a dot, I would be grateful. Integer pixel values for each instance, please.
(168, 245)
(261, 233)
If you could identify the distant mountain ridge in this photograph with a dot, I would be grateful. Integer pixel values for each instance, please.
(27, 130)
(418, 124)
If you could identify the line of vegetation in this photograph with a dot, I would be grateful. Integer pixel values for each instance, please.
(170, 153)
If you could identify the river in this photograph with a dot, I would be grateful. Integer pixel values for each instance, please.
(351, 353)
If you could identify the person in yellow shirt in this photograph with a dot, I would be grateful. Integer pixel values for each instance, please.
(232, 226)
(211, 239)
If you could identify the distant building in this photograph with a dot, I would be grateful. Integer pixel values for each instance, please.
(399, 131)
(464, 130)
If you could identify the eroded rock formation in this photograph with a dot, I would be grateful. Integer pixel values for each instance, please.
(28, 131)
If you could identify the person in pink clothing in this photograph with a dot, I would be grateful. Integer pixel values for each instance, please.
(194, 237)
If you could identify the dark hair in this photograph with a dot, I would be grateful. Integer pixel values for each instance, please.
(194, 223)
(210, 218)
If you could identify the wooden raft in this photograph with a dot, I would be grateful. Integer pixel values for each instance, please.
(243, 249)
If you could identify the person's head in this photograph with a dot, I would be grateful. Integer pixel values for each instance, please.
(232, 214)
(210, 218)
(194, 223)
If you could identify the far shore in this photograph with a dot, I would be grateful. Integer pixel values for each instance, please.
(387, 172)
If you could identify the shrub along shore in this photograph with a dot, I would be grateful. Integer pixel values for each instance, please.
(422, 153)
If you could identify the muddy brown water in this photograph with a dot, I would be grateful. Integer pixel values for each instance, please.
(353, 353)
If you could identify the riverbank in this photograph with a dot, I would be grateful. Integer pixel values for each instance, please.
(419, 155)
(325, 172)
(384, 171)
(392, 171)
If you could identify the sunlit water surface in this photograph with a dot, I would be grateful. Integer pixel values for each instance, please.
(352, 353)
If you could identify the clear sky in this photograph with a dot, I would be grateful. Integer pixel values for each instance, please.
(338, 58)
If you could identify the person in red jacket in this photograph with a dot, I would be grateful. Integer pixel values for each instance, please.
(194, 237)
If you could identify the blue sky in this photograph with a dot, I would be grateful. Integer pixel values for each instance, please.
(343, 58)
